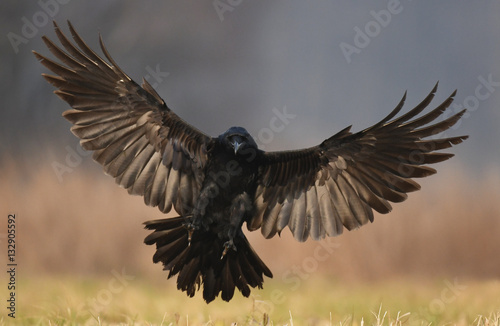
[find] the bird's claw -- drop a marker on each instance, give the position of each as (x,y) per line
(191,227)
(228,245)
(190,236)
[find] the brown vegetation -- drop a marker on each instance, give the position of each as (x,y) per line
(88,225)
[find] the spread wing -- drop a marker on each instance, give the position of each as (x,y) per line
(320,190)
(139,141)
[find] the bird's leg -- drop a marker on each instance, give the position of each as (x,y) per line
(193,223)
(241,204)
(190,227)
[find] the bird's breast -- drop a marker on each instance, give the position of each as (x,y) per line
(230,175)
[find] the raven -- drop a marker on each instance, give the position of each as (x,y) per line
(216,184)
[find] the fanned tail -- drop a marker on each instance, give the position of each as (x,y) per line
(200,263)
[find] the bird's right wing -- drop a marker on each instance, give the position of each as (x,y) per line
(320,190)
(138,140)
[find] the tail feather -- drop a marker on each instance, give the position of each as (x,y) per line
(189,279)
(241,281)
(227,282)
(200,263)
(248,271)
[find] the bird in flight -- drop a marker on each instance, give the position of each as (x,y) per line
(216,184)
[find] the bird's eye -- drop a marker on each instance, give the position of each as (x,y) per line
(238,138)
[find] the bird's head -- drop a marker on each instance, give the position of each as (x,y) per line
(237,139)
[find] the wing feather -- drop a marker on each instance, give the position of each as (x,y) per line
(337,184)
(329,216)
(299,222)
(269,228)
(284,214)
(139,141)
(313,215)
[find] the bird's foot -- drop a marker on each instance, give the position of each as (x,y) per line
(191,227)
(227,246)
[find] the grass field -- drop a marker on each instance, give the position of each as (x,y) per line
(135,301)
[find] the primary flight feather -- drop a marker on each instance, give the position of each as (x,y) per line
(216,184)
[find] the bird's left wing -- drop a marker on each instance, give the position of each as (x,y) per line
(320,190)
(139,141)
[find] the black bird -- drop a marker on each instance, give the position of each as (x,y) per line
(217,184)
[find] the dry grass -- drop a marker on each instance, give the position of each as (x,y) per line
(86,224)
(73,301)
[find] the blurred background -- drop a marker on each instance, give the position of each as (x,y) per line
(221,63)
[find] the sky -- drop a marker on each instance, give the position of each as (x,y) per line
(315,67)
